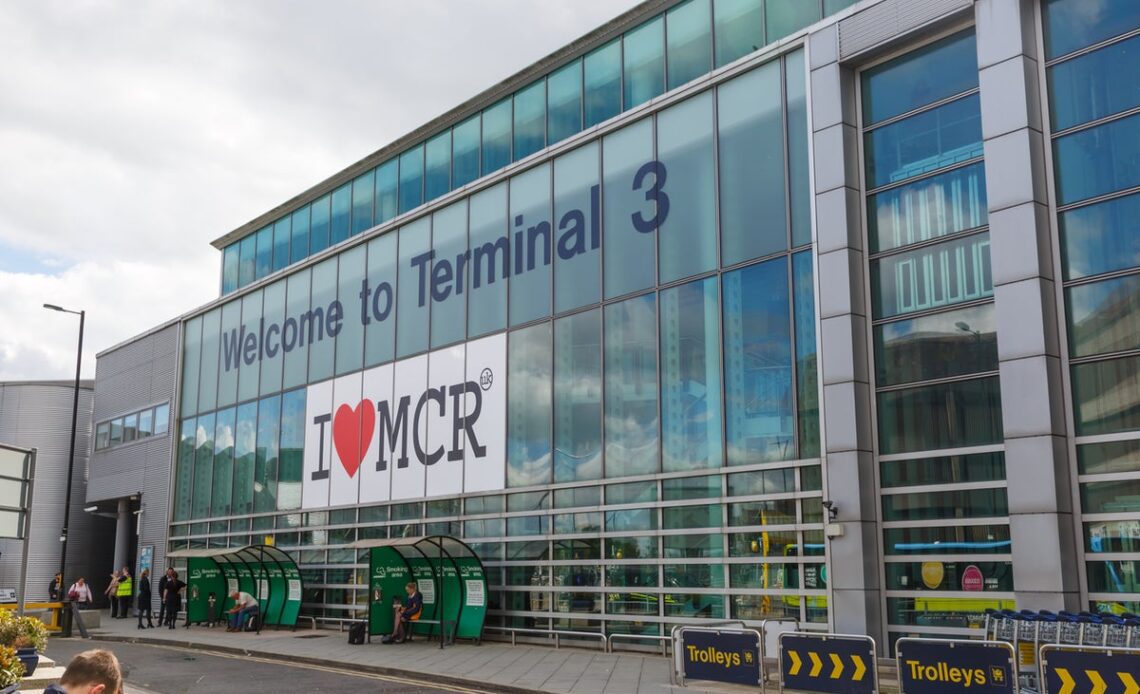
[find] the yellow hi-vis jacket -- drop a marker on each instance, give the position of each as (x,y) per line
(125,587)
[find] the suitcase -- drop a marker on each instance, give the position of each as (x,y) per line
(356,634)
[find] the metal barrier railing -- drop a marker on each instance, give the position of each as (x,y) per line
(556,633)
(53,609)
(666,641)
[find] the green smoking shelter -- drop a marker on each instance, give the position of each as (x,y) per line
(263,571)
(445,570)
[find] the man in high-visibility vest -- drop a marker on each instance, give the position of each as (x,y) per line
(125,591)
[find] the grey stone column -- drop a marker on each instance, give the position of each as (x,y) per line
(1021,252)
(851,480)
(122,533)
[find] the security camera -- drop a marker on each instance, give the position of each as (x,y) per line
(832,509)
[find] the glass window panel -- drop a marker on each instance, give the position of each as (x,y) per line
(530,119)
(528,501)
(281,243)
(223,476)
(263,259)
(411,178)
(927,209)
(957,469)
(785,17)
(292,449)
(117,431)
(529,379)
(465,144)
(1104,316)
(1090,86)
(758,364)
(437,166)
(230,260)
(631,493)
(484,504)
(102,436)
(1118,496)
(951,612)
(577,262)
(640,519)
(954,343)
(203,466)
(752,190)
(692,488)
(603,83)
(945,504)
(530,218)
(701,516)
(689,50)
(191,361)
(563,102)
(698,605)
(632,427)
(947,415)
(644,63)
(448,276)
(299,225)
(1097,161)
(578,397)
(1120,576)
(363,191)
(569,523)
(577,496)
(949,539)
(245,452)
(130,427)
(694,576)
(312,328)
(387,201)
(231,356)
(211,344)
(764,513)
(900,576)
(693,546)
(380,294)
(691,377)
(930,74)
(296,353)
(490,267)
(687,235)
(1106,396)
(1073,24)
(1109,457)
(273,310)
(925,142)
(250,369)
(807,363)
(340,227)
(798,165)
(412,296)
(350,337)
(1100,238)
(830,7)
(247,260)
(1111,536)
(319,222)
(184,469)
(633,186)
(941,275)
(739,28)
(497,136)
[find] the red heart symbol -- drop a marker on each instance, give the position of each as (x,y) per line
(352,433)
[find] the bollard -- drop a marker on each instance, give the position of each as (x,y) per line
(65,619)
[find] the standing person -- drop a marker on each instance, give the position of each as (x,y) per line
(162,595)
(80,593)
(126,590)
(112,594)
(173,598)
(144,599)
(55,588)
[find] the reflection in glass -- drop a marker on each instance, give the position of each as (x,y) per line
(350,339)
(203,466)
(497,136)
(1117,496)
(292,449)
(321,345)
(807,366)
(624,153)
(928,141)
(947,415)
(437,166)
(223,476)
(273,310)
(689,50)
(945,344)
(945,504)
(758,364)
(529,377)
(411,178)
(941,275)
(687,238)
(1101,237)
(263,256)
(245,450)
(1109,457)
(603,83)
(387,184)
(380,331)
(955,469)
(184,469)
(530,217)
(691,410)
(299,226)
(577,263)
(319,221)
(739,28)
(1073,24)
(230,260)
(465,146)
(448,303)
(340,225)
(948,539)
(530,119)
(280,244)
(490,262)
(247,258)
(1090,86)
(644,63)
(248,373)
(363,190)
(930,74)
(785,17)
(932,207)
(1100,160)
(1106,396)
(208,378)
(232,358)
(412,296)
(564,102)
(795,80)
(632,429)
(1104,316)
(578,397)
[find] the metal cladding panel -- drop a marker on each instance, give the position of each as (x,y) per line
(889,19)
(38,415)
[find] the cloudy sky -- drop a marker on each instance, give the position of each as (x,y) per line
(134,133)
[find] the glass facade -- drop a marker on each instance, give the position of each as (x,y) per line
(635,393)
(1094,131)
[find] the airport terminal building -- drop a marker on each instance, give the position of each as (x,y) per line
(730,309)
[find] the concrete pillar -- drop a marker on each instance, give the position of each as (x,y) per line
(849,465)
(122,532)
(1021,251)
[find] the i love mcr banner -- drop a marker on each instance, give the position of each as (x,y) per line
(430,425)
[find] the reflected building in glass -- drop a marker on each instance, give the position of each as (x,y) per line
(627,320)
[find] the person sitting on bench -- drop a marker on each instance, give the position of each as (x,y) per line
(244,606)
(410,611)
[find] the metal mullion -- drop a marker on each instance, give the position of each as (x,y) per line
(941,452)
(921,109)
(948,522)
(1093,279)
(901,250)
(920,557)
(1097,122)
(949,486)
(1109,477)
(937,381)
(1108,438)
(1088,49)
(936,310)
(788,265)
(1108,356)
(926,175)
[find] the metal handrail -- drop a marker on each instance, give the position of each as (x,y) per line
(665,641)
(556,633)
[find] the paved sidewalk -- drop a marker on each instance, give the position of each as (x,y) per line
(493,665)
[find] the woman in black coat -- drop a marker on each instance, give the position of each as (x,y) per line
(173,599)
(143,604)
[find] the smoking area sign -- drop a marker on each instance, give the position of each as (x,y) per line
(943,666)
(1090,670)
(827,663)
(721,655)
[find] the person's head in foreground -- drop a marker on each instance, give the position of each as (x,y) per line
(93,672)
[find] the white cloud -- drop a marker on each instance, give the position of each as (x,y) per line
(135,133)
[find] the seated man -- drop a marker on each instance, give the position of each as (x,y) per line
(244,606)
(408,612)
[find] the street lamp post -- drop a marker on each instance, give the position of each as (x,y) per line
(71,456)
